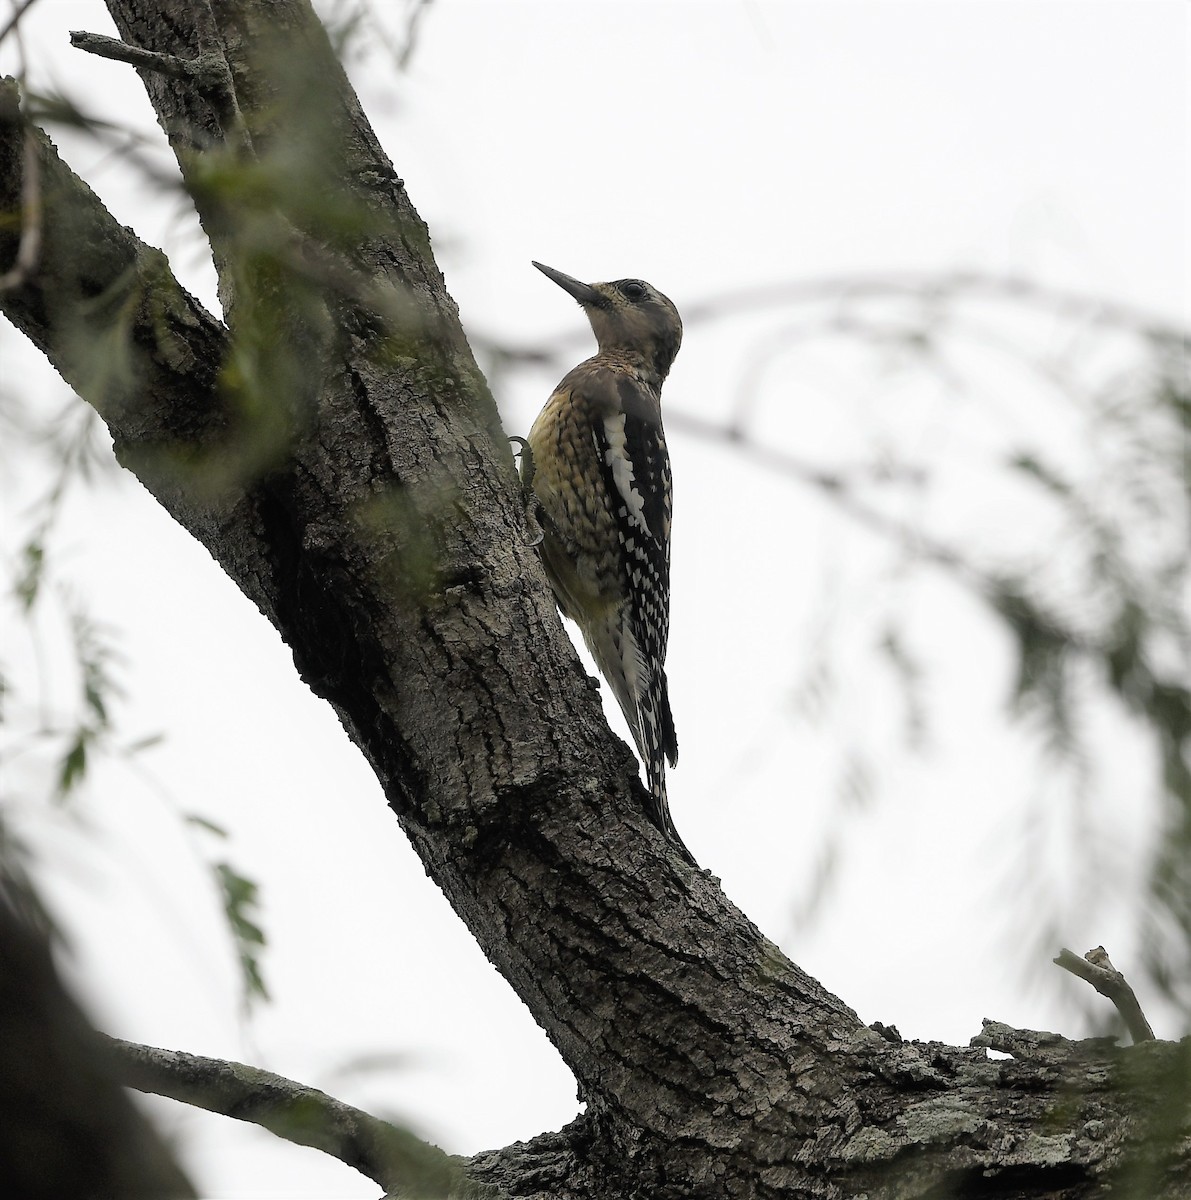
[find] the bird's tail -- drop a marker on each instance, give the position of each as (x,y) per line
(645,703)
(657,742)
(659,814)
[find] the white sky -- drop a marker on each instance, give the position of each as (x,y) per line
(704,147)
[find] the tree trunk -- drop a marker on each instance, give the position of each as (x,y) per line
(335,448)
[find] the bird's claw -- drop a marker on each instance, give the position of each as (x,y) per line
(528,495)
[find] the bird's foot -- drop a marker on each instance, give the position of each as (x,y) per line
(533,526)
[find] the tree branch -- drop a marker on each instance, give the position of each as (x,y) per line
(392,1157)
(1096,968)
(206,70)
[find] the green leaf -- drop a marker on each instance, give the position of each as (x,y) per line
(240,896)
(74,763)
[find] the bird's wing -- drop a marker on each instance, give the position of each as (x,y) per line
(631,448)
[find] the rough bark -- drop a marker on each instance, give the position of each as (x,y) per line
(372,513)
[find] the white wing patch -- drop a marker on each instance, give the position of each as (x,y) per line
(616,456)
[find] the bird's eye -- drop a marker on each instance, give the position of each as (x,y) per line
(633,289)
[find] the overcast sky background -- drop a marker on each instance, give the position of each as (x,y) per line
(706,147)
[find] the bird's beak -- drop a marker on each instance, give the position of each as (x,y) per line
(583,292)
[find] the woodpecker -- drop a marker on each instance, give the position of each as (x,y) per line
(599,469)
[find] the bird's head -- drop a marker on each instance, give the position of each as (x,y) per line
(627,314)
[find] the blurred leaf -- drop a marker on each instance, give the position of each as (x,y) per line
(32,569)
(240,898)
(909,672)
(857,783)
(144,743)
(74,764)
(204,823)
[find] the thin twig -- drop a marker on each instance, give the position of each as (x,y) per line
(1096,967)
(411,33)
(18,12)
(834,483)
(940,287)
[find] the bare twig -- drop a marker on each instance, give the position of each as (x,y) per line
(938,288)
(1096,967)
(366,21)
(207,70)
(411,33)
(837,484)
(19,10)
(390,1156)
